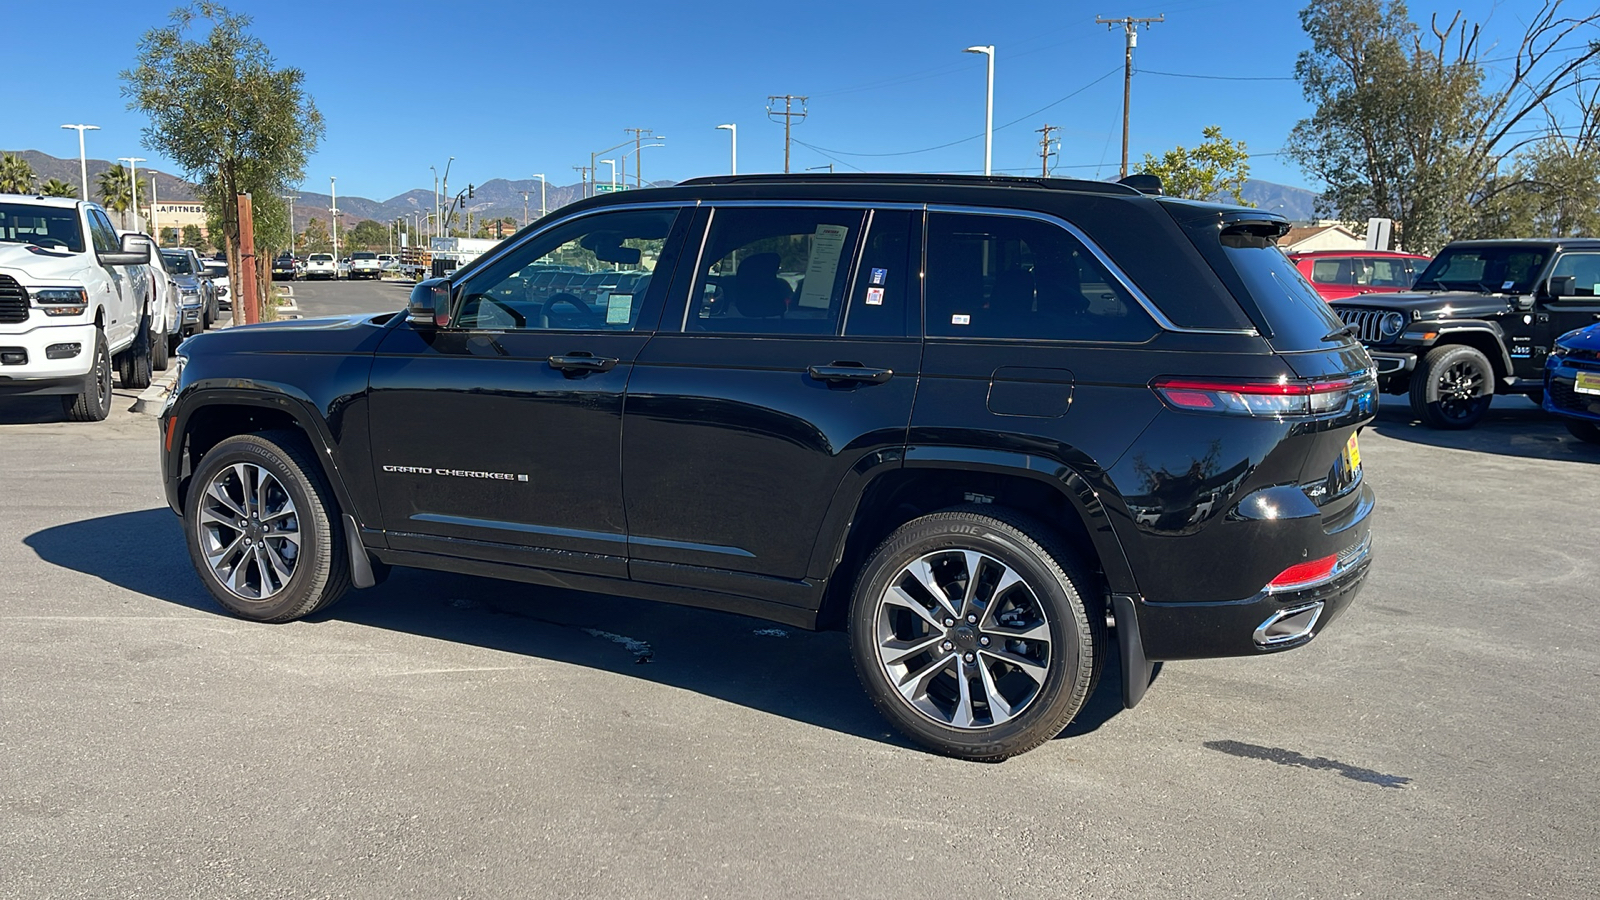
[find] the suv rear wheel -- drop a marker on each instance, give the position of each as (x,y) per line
(262,528)
(972,633)
(1453,387)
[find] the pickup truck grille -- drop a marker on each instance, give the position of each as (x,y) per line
(13,301)
(1365,322)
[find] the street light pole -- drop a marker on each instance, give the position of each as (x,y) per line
(133,184)
(289,199)
(540,176)
(155,220)
(613,164)
(733,146)
(988,109)
(333,189)
(83,162)
(438,214)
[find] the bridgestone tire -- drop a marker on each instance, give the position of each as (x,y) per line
(133,364)
(1430,399)
(1584,431)
(1065,588)
(322,571)
(93,403)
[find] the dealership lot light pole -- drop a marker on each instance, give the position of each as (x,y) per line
(733,146)
(83,161)
(133,183)
(988,109)
(540,176)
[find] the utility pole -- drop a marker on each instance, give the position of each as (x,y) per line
(333,212)
(525,208)
(639,134)
(1130,28)
(1044,149)
(789,118)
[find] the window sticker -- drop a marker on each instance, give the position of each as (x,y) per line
(960,319)
(874,296)
(827,245)
(619,309)
(1508,286)
(879,276)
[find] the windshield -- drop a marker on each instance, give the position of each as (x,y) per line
(176,263)
(54,227)
(1490,270)
(217,268)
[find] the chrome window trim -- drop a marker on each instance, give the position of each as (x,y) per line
(1149,306)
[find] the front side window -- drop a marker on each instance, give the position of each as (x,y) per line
(774,271)
(1021,278)
(592,274)
(1389,272)
(51,227)
(1585,271)
(105,237)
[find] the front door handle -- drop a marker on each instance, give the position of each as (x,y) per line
(847,374)
(582,362)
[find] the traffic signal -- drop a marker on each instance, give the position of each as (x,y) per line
(469,192)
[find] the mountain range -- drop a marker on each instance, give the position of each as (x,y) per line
(500,197)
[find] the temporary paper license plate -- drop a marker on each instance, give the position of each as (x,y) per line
(1352,453)
(1588,383)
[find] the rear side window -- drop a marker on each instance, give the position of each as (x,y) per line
(1025,279)
(885,279)
(1297,316)
(774,271)
(1331,271)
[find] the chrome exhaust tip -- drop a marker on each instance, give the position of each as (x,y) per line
(1288,625)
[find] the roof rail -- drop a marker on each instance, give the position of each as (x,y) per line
(1060,184)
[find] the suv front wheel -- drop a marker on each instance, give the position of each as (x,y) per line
(263,528)
(1453,387)
(976,633)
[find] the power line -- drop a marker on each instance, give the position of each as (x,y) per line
(1218,77)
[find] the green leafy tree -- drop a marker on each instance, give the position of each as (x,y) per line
(315,239)
(236,123)
(1419,128)
(169,237)
(193,237)
(367,235)
(1215,169)
(16,176)
(55,187)
(114,188)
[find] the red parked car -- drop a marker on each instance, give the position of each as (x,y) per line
(1337,274)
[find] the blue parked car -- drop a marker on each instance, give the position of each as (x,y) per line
(1572,382)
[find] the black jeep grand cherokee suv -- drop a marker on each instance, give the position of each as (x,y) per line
(977,421)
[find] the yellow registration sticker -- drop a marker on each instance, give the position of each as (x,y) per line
(1352,453)
(1588,383)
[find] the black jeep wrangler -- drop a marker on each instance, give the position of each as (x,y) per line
(974,420)
(1480,322)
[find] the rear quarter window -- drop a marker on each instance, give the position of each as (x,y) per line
(1295,314)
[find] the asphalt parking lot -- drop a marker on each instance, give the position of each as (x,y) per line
(449,736)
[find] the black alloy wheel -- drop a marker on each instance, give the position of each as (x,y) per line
(93,402)
(1453,387)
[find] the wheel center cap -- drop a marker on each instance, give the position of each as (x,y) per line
(965,637)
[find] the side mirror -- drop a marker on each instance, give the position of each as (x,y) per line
(135,251)
(1563,286)
(429,307)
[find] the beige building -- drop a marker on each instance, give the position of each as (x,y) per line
(176,214)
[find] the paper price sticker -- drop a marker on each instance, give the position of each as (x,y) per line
(619,309)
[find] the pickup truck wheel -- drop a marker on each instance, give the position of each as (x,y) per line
(158,352)
(1584,431)
(972,634)
(1452,387)
(262,528)
(133,364)
(93,403)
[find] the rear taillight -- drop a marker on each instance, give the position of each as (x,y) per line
(1304,574)
(1254,397)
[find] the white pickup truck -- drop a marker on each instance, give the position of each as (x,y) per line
(73,303)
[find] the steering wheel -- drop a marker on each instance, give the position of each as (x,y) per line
(39,241)
(587,316)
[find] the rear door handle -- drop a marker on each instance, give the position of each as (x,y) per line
(839,373)
(583,362)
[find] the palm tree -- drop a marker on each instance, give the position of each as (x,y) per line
(16,176)
(55,187)
(116,192)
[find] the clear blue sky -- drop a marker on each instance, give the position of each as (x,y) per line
(522,87)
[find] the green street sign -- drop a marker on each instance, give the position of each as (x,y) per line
(608,188)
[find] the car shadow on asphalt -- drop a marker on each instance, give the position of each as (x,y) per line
(783,671)
(1514,426)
